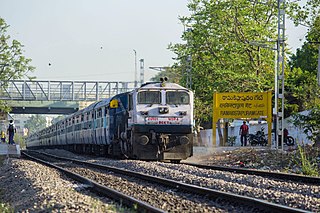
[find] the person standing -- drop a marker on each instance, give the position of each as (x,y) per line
(3,136)
(11,130)
(243,132)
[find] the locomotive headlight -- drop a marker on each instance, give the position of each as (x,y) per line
(144,112)
(143,140)
(184,140)
(163,110)
(183,113)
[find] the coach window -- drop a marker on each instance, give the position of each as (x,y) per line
(177,97)
(149,97)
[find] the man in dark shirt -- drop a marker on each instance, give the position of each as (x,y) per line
(11,130)
(244,130)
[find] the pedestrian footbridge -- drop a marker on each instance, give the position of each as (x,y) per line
(57,97)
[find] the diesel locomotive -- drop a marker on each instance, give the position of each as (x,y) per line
(152,122)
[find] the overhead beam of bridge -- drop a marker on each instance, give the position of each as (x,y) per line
(44,107)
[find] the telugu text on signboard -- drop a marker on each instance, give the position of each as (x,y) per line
(242,105)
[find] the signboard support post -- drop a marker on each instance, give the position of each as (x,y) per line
(214,122)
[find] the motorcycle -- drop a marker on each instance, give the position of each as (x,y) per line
(286,139)
(258,139)
(289,140)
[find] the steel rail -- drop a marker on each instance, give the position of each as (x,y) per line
(279,175)
(256,203)
(106,191)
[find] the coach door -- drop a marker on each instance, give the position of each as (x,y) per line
(106,125)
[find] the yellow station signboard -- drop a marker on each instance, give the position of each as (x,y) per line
(247,105)
(242,105)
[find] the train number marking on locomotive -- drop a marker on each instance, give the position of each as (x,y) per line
(159,120)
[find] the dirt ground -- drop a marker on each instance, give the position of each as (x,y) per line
(292,161)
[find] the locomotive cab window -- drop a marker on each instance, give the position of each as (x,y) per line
(149,97)
(177,97)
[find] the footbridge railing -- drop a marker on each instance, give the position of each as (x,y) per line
(39,90)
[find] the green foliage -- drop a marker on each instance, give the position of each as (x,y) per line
(310,123)
(231,140)
(304,15)
(13,65)
(223,56)
(302,91)
(230,43)
(35,123)
(308,165)
(301,86)
(170,73)
(5,208)
(19,139)
(305,58)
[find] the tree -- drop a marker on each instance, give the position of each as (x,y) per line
(220,43)
(13,65)
(35,123)
(224,44)
(303,83)
(310,123)
(170,73)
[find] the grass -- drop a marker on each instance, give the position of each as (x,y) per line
(303,160)
(308,160)
(4,207)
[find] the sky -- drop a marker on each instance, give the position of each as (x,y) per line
(101,40)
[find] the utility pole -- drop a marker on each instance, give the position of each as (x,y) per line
(189,66)
(189,69)
(135,69)
(141,71)
(279,77)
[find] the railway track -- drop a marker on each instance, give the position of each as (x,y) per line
(194,193)
(98,188)
(277,175)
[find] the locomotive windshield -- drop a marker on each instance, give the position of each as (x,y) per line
(177,97)
(149,97)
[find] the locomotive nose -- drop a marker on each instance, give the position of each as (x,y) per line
(184,140)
